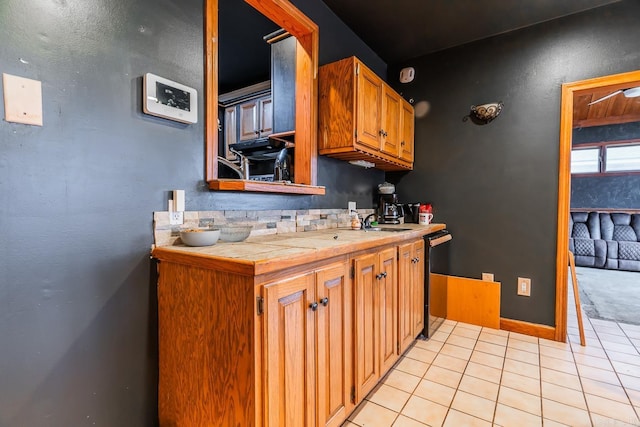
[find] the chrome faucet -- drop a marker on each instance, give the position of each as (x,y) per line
(242,170)
(366,222)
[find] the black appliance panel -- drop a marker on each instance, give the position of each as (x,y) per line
(437,261)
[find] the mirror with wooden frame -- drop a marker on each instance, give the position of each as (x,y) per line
(287,16)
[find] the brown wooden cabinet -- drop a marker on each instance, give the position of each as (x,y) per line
(391,118)
(209,345)
(410,292)
(307,348)
(360,117)
(299,346)
(334,345)
(368,109)
(255,119)
(289,354)
(407,142)
(375,317)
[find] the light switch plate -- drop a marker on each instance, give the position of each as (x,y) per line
(22,100)
(488,277)
(178,200)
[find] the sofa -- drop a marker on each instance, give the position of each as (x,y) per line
(608,240)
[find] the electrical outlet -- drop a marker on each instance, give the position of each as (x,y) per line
(176,218)
(352,206)
(487,277)
(524,286)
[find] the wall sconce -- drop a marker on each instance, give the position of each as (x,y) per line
(485,113)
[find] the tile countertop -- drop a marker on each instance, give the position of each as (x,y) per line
(267,254)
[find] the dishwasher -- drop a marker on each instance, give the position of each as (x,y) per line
(435,294)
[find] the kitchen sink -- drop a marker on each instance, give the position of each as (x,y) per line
(387,229)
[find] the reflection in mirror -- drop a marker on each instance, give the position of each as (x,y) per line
(302,54)
(245,103)
(243,55)
(257,96)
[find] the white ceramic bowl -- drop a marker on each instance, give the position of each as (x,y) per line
(235,233)
(200,236)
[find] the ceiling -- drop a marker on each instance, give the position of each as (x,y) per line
(615,110)
(399,30)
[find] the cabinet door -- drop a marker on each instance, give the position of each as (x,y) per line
(410,292)
(248,119)
(407,136)
(289,363)
(369,108)
(417,281)
(405,295)
(230,131)
(391,111)
(366,328)
(388,309)
(334,345)
(265,117)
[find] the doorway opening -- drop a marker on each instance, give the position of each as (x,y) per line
(571,92)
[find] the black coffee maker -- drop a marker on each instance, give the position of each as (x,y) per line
(389,211)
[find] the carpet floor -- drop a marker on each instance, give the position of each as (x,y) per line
(609,294)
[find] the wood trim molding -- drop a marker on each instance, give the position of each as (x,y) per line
(628,118)
(211,88)
(526,328)
(265,187)
(564,186)
(286,15)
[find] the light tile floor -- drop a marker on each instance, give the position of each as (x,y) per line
(466,375)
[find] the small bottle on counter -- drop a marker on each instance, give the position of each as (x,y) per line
(355,221)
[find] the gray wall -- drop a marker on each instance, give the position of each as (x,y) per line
(78,327)
(606,192)
(496,185)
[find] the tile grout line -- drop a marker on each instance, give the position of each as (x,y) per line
(575,362)
(571,347)
(614,371)
(463,372)
(624,388)
(504,359)
(541,389)
(624,331)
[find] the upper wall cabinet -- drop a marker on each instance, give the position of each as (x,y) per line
(361,118)
(305,31)
(407,129)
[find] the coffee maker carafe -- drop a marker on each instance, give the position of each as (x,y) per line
(388,209)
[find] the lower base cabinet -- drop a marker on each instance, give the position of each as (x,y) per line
(376,317)
(307,347)
(289,358)
(410,292)
(300,349)
(334,344)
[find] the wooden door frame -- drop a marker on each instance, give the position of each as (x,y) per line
(564,185)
